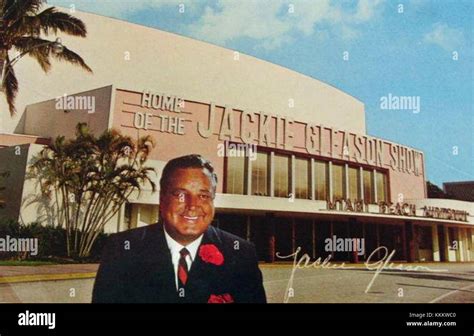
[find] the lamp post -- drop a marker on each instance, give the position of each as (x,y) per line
(56,46)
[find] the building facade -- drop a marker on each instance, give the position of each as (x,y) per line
(463,191)
(296,168)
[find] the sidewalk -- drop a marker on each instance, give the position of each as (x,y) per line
(14,274)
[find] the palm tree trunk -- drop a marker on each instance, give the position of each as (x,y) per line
(3,58)
(3,51)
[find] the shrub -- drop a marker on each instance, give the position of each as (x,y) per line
(51,242)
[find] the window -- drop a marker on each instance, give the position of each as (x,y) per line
(302,169)
(354,190)
(470,238)
(321,180)
(236,174)
(424,237)
(127,215)
(281,175)
(338,181)
(453,238)
(382,194)
(368,186)
(260,174)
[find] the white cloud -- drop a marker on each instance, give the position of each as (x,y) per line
(308,13)
(447,38)
(273,23)
(366,10)
(253,19)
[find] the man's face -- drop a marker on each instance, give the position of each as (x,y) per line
(187,204)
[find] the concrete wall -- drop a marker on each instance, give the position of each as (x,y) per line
(14,161)
(463,237)
(24,201)
(7,140)
(47,120)
(127,103)
(470,235)
(143,215)
(446,203)
(34,206)
(148,214)
(436,243)
(22,192)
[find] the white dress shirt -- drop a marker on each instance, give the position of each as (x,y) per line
(176,247)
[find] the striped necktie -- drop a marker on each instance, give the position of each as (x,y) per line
(183,268)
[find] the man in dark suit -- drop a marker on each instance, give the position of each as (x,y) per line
(181,259)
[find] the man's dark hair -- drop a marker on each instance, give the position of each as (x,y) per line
(184,162)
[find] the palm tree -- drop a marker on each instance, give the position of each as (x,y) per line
(88,179)
(21,24)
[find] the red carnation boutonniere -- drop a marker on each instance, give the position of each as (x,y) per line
(224,298)
(210,253)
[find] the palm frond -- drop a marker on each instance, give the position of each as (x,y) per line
(15,9)
(82,130)
(10,85)
(51,20)
(22,26)
(37,48)
(71,57)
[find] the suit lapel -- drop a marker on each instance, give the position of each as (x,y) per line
(157,278)
(157,267)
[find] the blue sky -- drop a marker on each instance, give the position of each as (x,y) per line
(403,51)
